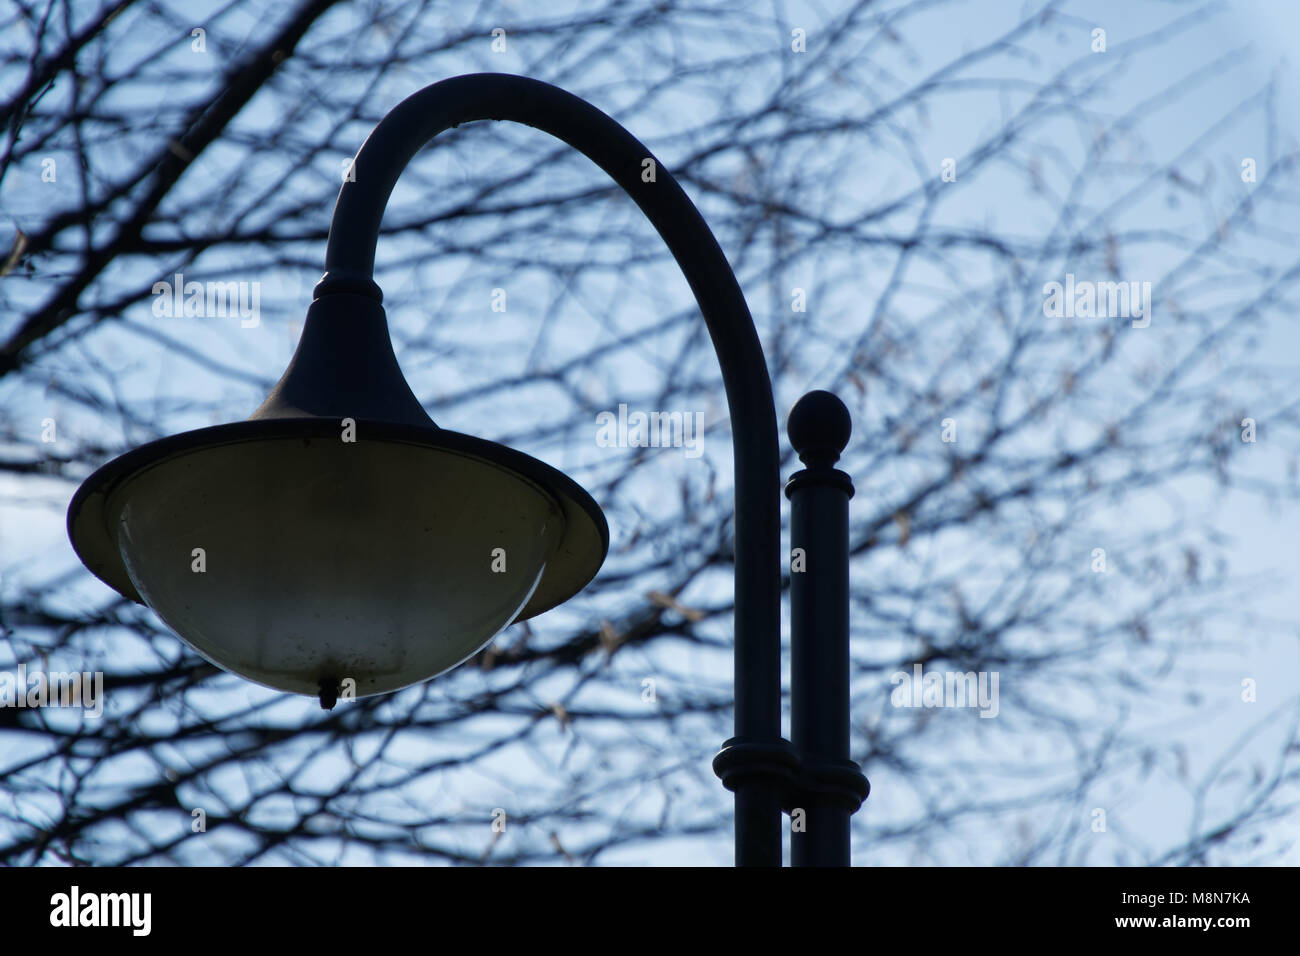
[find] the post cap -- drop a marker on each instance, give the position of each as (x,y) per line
(819,427)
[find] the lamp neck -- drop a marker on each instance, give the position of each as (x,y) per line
(349,265)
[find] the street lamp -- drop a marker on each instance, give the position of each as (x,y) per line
(338,535)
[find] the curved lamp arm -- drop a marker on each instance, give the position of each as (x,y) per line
(756,750)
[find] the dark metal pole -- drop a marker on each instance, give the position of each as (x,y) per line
(831,787)
(756,762)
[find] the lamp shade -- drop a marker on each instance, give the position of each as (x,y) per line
(338,539)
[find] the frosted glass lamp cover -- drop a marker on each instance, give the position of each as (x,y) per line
(315,552)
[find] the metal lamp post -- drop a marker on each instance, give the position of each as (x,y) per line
(286,552)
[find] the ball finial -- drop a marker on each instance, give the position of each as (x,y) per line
(819,427)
